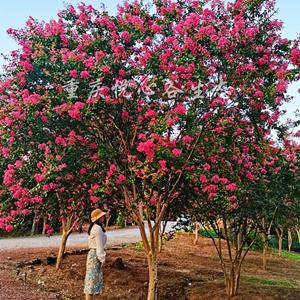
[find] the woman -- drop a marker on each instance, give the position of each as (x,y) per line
(93,283)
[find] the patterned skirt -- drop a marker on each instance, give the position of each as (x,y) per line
(93,283)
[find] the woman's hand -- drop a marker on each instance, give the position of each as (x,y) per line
(103,264)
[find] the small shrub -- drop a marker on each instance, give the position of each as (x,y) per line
(209,233)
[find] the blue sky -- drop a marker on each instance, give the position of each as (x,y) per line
(14,13)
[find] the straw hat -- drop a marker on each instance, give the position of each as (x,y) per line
(97,214)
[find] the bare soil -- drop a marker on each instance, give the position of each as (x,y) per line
(186,271)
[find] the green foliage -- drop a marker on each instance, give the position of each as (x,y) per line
(120,221)
(139,246)
(209,233)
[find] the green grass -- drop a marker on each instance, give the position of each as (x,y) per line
(269,282)
(287,254)
(291,255)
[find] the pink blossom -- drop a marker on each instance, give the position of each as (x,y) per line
(73,73)
(295,56)
(245,149)
(120,179)
(112,169)
(212,188)
(187,139)
(8,121)
(125,35)
(251,32)
(99,55)
(231,198)
(39,177)
(238,131)
(5,152)
(250,176)
(218,130)
(206,116)
(215,179)
(94,199)
(277,170)
(162,166)
(105,69)
(156,28)
(203,178)
(179,109)
(44,119)
(176,152)
(60,141)
(148,148)
(75,114)
(9,228)
(150,114)
(39,164)
(259,94)
(222,42)
(231,187)
(122,73)
(206,167)
(281,87)
(84,74)
(8,177)
(234,205)
(170,122)
(62,166)
(37,199)
(78,105)
(18,164)
(125,115)
(89,63)
(83,171)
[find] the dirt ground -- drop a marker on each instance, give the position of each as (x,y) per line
(185,272)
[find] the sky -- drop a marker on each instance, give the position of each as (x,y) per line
(14,13)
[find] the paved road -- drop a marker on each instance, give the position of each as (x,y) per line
(115,237)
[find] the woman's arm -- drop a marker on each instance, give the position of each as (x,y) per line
(101,254)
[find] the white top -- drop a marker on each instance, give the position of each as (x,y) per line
(98,240)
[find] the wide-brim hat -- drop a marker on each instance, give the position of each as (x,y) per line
(97,214)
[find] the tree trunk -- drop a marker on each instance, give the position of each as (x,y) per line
(290,240)
(298,234)
(196,232)
(150,242)
(34,224)
(279,232)
(44,226)
(61,251)
(232,281)
(68,226)
(161,235)
(107,221)
(152,268)
(265,250)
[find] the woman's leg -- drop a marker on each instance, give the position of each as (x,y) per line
(88,297)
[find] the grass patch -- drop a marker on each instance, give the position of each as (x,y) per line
(138,246)
(269,282)
(291,255)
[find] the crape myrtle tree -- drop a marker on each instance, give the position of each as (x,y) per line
(47,168)
(277,186)
(144,88)
(226,188)
(287,208)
